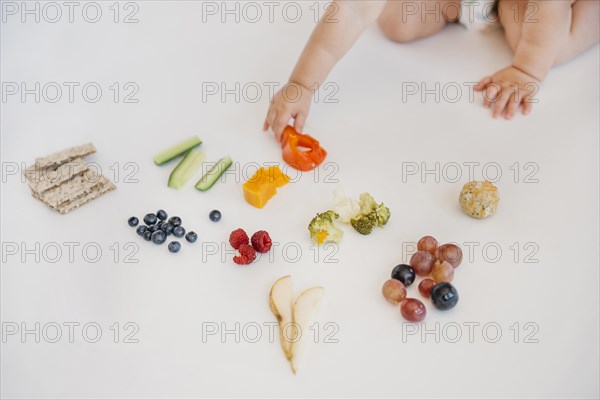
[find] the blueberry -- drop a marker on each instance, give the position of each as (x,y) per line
(133,221)
(147,235)
(179,231)
(167,228)
(215,215)
(444,296)
(174,246)
(153,228)
(141,230)
(191,236)
(175,221)
(404,273)
(150,219)
(162,215)
(159,237)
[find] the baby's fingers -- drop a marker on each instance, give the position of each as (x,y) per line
(513,105)
(500,104)
(268,120)
(527,104)
(299,122)
(279,123)
(491,94)
(483,83)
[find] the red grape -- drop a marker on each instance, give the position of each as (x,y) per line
(422,262)
(394,291)
(413,310)
(428,244)
(443,271)
(425,287)
(451,253)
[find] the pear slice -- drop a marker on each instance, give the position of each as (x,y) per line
(280,300)
(304,313)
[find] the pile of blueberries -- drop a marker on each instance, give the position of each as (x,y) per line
(159,226)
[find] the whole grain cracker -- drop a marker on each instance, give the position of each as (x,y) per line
(105,186)
(41,180)
(55,160)
(76,187)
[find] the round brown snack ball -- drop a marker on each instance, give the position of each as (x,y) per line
(479,199)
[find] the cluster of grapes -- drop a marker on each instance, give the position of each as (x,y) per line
(430,259)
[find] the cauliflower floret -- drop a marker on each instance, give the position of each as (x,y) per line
(346,207)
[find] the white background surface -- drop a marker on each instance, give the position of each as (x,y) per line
(369,133)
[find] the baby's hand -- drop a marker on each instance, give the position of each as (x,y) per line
(508,89)
(292,101)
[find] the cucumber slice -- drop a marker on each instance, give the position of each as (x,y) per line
(209,179)
(185,169)
(177,150)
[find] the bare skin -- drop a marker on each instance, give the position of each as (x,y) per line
(556,32)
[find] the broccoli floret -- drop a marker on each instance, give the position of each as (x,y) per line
(364,223)
(367,203)
(322,228)
(383,214)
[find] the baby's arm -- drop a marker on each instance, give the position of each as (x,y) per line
(332,38)
(542,36)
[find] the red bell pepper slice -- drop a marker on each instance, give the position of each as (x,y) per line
(300,151)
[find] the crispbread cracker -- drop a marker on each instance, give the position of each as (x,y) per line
(104,187)
(64,181)
(76,187)
(55,160)
(41,180)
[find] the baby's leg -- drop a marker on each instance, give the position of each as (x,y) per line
(584,28)
(403,21)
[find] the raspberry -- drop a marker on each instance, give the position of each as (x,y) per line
(247,255)
(238,238)
(261,241)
